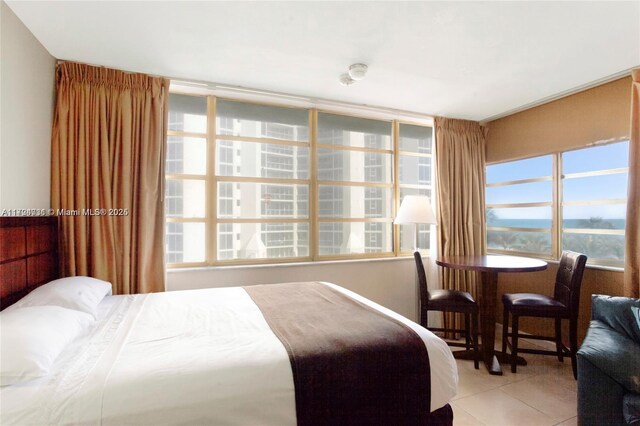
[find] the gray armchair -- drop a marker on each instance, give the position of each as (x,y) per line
(609,364)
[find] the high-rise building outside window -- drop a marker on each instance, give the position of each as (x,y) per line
(256,183)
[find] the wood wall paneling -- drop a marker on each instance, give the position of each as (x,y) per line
(40,239)
(12,243)
(41,269)
(13,277)
(28,255)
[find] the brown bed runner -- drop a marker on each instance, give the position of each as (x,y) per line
(352,365)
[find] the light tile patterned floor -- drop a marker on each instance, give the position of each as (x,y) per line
(541,393)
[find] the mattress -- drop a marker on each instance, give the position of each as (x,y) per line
(185,357)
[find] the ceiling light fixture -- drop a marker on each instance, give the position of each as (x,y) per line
(358,71)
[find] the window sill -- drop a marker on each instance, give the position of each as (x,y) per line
(407,256)
(401,257)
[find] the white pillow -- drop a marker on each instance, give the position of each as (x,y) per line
(78,293)
(31,339)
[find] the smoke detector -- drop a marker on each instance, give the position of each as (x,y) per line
(355,73)
(346,80)
(358,71)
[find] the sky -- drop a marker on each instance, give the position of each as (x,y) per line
(574,189)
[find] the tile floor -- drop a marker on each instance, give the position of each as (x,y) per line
(541,393)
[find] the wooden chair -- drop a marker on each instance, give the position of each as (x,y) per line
(449,301)
(563,305)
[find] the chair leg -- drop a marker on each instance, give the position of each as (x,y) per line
(467,331)
(424,316)
(505,329)
(474,327)
(559,339)
(514,342)
(573,342)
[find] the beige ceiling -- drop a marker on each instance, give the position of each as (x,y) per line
(470,60)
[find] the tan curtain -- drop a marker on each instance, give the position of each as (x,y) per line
(108,144)
(632,229)
(460,159)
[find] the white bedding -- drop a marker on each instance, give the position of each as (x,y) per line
(187,357)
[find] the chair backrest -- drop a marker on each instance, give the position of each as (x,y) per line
(569,280)
(424,290)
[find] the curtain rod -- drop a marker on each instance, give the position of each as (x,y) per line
(242,90)
(234,89)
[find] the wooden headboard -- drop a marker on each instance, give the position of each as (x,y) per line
(28,255)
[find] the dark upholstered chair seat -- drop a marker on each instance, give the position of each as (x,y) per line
(461,301)
(532,303)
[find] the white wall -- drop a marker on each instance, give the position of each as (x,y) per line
(389,282)
(27,91)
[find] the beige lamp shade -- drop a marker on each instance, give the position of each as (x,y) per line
(415,209)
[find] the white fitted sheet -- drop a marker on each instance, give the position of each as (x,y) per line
(185,357)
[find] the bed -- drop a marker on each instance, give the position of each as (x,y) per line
(214,356)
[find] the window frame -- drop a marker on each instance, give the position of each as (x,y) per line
(557,203)
(211,220)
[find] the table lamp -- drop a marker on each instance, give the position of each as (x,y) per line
(415,209)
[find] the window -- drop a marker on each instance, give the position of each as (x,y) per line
(186,170)
(355,185)
(594,202)
(262,176)
(574,200)
(259,183)
(519,199)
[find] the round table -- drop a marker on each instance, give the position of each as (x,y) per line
(489,266)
